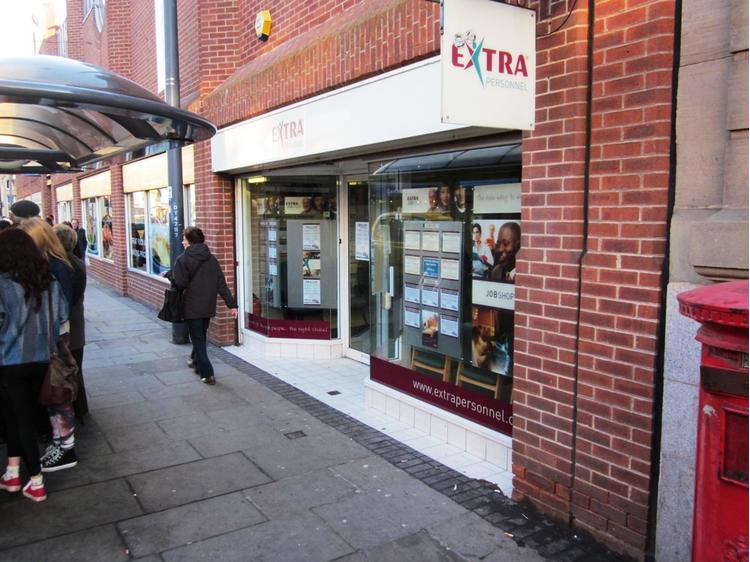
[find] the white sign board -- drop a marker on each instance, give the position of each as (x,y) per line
(488,60)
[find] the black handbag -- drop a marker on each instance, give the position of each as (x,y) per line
(173,309)
(60,384)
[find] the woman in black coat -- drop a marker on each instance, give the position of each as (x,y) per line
(198,274)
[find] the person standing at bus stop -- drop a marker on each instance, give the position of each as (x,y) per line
(197,272)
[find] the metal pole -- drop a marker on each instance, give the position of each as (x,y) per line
(174,156)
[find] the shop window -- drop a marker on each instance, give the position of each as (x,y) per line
(97,220)
(290,268)
(148,216)
(64,211)
(446,231)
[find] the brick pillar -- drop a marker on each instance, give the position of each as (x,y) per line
(119,230)
(76,212)
(584,395)
(119,44)
(215,216)
(74,25)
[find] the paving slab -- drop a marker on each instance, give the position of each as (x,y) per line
(65,512)
(189,524)
(185,483)
(299,494)
(304,538)
(92,545)
(417,547)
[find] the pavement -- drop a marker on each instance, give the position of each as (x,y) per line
(171,469)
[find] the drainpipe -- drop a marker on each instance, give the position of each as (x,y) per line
(174,155)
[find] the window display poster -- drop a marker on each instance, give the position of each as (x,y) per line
(449,299)
(430,297)
(273,269)
(494,245)
(452,242)
(449,326)
(272,235)
(362,241)
(430,328)
(492,339)
(311,265)
(411,317)
(411,294)
(449,269)
(430,241)
(431,267)
(295,205)
(311,291)
(412,240)
(412,265)
(419,200)
(498,198)
(311,237)
(272,253)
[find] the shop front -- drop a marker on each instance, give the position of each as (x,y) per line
(385,236)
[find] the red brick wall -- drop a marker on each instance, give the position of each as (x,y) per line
(370,37)
(143,44)
(595,472)
(187,30)
(74,24)
(120,55)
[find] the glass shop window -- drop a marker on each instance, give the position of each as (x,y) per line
(446,230)
(148,216)
(291,256)
(97,220)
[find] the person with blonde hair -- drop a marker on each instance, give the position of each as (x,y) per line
(60,453)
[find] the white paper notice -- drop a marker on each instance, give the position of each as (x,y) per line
(411,318)
(449,299)
(311,291)
(430,297)
(412,240)
(412,265)
(272,252)
(411,294)
(452,242)
(273,269)
(431,241)
(449,326)
(449,269)
(272,236)
(362,241)
(311,237)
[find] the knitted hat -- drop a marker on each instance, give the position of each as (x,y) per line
(25,209)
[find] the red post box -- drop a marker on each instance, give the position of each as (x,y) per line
(720,518)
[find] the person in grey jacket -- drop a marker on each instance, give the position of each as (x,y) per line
(198,273)
(33,316)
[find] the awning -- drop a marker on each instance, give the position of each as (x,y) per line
(60,115)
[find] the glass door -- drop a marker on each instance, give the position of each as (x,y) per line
(357,270)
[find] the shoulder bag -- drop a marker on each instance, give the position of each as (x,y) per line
(60,384)
(173,309)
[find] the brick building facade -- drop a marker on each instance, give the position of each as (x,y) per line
(597,195)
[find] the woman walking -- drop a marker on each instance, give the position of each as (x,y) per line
(60,454)
(199,274)
(31,304)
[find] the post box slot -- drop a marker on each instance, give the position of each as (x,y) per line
(719,381)
(735,459)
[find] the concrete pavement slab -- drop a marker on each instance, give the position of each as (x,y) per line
(417,547)
(300,493)
(186,427)
(65,512)
(179,485)
(189,524)
(304,538)
(92,545)
(223,442)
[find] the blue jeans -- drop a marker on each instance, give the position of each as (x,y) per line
(197,328)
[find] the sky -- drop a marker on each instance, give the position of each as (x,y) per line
(16,27)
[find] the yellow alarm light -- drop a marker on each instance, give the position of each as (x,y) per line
(263,25)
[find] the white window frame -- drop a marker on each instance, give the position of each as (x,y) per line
(99,253)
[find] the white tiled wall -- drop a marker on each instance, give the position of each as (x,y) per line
(492,447)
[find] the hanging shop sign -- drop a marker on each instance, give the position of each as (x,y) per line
(488,64)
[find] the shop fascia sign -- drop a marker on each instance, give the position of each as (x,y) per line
(488,64)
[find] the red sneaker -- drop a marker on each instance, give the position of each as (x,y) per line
(35,493)
(10,484)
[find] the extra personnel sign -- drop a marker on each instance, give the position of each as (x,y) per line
(488,60)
